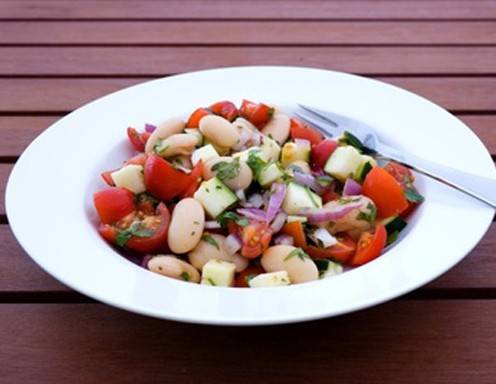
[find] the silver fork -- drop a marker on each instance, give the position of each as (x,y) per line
(334,125)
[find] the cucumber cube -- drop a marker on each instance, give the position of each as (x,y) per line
(215,197)
(218,273)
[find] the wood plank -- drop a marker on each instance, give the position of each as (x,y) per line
(18,131)
(21,95)
(242,32)
(258,9)
(402,342)
(5,170)
(157,61)
(20,274)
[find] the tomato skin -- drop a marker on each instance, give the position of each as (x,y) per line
(194,119)
(300,130)
(106,176)
(402,174)
(195,177)
(157,242)
(256,237)
(257,114)
(385,192)
(369,246)
(240,278)
(165,182)
(112,204)
(340,252)
(226,109)
(137,160)
(138,140)
(330,195)
(322,151)
(295,230)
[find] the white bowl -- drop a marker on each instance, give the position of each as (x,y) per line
(49,196)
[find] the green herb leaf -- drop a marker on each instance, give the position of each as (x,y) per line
(350,139)
(368,216)
(211,281)
(224,217)
(392,237)
(412,195)
(255,162)
(286,179)
(209,239)
(185,276)
(145,198)
(325,180)
(123,236)
(347,200)
(227,170)
(298,252)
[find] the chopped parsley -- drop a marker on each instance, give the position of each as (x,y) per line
(347,200)
(412,195)
(144,198)
(325,180)
(298,252)
(350,139)
(224,217)
(368,216)
(392,237)
(158,149)
(209,239)
(123,236)
(211,281)
(255,163)
(227,170)
(185,276)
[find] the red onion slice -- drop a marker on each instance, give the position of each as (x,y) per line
(322,215)
(252,213)
(145,260)
(351,188)
(284,240)
(278,222)
(310,181)
(278,191)
(150,127)
(232,244)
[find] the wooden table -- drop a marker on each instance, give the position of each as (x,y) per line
(57,55)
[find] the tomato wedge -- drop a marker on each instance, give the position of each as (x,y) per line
(241,278)
(139,232)
(196,178)
(226,109)
(165,182)
(112,204)
(321,152)
(257,114)
(385,191)
(340,252)
(137,139)
(255,236)
(370,246)
(194,119)
(300,130)
(295,230)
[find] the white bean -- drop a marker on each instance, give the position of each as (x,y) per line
(170,266)
(163,131)
(242,180)
(186,226)
(178,144)
(219,131)
(297,264)
(278,128)
(213,249)
(358,219)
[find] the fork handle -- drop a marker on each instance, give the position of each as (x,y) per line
(482,188)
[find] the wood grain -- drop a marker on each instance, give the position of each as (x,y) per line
(253,32)
(20,274)
(157,61)
(22,95)
(443,342)
(248,9)
(18,131)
